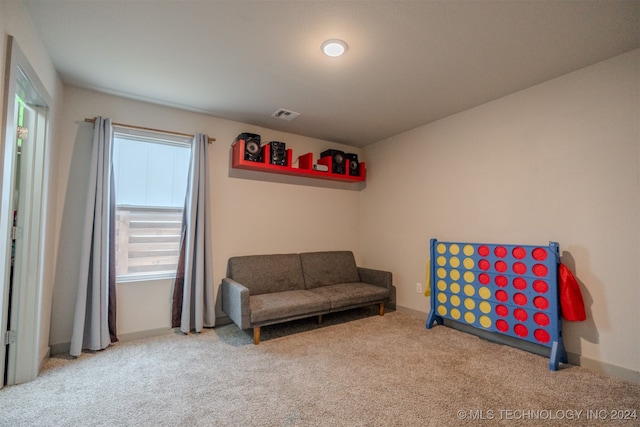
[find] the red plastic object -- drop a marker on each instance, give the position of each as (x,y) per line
(501,266)
(519,283)
(483,250)
(500,251)
(483,264)
(540,286)
(521,330)
(519,268)
(518,252)
(502,326)
(501,281)
(540,270)
(541,319)
(484,278)
(502,295)
(539,254)
(502,310)
(520,298)
(541,303)
(542,335)
(520,314)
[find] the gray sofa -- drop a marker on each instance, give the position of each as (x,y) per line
(262,290)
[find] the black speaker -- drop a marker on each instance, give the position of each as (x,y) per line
(278,153)
(337,160)
(252,148)
(354,165)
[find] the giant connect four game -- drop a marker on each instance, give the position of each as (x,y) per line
(506,289)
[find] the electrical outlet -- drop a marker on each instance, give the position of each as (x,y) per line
(419,287)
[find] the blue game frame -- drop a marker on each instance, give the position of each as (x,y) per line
(507,289)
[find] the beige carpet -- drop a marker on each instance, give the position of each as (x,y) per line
(357,369)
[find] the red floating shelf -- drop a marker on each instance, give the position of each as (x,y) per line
(305,165)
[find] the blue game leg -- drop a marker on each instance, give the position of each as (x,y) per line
(558,354)
(433,318)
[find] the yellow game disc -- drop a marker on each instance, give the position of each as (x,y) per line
(441,248)
(469,290)
(469,303)
(442,285)
(442,310)
(454,274)
(455,313)
(469,277)
(454,287)
(442,298)
(441,261)
(442,273)
(454,262)
(468,250)
(484,307)
(454,249)
(485,321)
(468,263)
(469,317)
(484,292)
(455,300)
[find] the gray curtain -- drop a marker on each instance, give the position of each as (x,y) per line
(94,321)
(193,304)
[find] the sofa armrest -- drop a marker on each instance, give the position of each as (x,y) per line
(376,277)
(235,302)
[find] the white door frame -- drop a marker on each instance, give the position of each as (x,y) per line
(23,354)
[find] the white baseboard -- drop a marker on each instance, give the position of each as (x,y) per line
(574,359)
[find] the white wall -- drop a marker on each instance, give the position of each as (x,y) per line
(556,162)
(15,21)
(248,216)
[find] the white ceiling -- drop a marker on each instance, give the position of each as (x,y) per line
(408,63)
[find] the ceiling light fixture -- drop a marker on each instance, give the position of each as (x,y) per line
(334,47)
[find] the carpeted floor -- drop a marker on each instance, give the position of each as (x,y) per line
(357,369)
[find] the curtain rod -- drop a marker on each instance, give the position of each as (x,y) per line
(211,139)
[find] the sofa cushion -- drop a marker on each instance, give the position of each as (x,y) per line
(264,274)
(288,304)
(328,268)
(350,294)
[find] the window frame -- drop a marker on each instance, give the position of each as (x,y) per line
(148,136)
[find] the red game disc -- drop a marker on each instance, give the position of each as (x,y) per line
(521,330)
(484,278)
(502,326)
(520,298)
(500,251)
(540,270)
(519,283)
(502,310)
(502,295)
(520,314)
(519,268)
(539,254)
(501,266)
(541,303)
(483,264)
(540,286)
(501,281)
(541,335)
(483,250)
(541,319)
(518,252)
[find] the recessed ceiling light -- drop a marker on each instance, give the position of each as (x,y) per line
(334,47)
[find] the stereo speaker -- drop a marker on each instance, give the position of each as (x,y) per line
(337,160)
(278,154)
(252,147)
(354,165)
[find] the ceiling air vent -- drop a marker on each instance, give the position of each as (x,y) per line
(283,114)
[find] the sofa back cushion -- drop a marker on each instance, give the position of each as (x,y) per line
(328,268)
(264,274)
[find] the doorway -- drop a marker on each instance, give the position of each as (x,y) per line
(22,218)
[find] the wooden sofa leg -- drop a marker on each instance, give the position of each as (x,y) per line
(256,335)
(319,319)
(381,310)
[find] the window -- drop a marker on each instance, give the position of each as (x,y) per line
(150,172)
